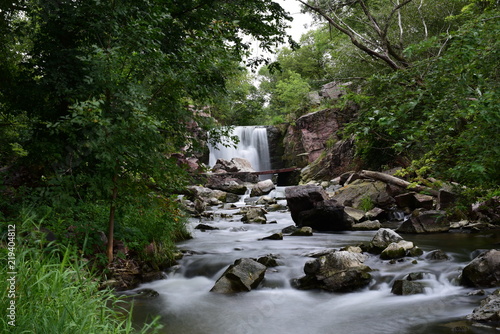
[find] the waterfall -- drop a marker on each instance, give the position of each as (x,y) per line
(253,146)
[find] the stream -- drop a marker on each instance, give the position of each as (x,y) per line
(187,306)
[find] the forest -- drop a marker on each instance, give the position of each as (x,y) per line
(100,99)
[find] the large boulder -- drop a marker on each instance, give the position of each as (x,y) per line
(340,271)
(487,211)
(396,250)
(206,195)
(362,193)
(254,215)
(412,201)
(235,165)
(310,206)
(407,287)
(262,188)
(383,238)
(488,311)
(227,183)
(432,221)
(483,271)
(242,276)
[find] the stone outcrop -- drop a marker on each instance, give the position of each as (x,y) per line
(253,215)
(340,271)
(310,206)
(432,221)
(362,192)
(483,271)
(242,276)
(262,188)
(488,311)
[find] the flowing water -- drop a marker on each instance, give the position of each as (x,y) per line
(187,306)
(253,146)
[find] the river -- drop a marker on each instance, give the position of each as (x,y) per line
(187,306)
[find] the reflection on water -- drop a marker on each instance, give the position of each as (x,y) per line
(186,306)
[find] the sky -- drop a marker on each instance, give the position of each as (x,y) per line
(300,24)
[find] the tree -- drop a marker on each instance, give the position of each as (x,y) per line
(383,29)
(110,83)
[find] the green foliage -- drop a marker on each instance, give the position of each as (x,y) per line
(443,111)
(55,292)
(366,204)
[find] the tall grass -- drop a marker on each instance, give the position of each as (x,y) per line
(56,294)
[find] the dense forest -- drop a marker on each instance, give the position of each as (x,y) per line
(99,99)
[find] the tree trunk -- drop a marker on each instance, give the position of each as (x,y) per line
(111,223)
(397,181)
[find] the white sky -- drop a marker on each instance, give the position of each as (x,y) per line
(300,24)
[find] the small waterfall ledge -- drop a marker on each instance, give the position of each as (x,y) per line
(253,146)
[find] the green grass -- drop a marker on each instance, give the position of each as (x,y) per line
(55,293)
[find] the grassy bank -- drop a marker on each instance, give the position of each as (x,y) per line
(49,289)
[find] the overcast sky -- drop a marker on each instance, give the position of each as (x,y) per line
(300,24)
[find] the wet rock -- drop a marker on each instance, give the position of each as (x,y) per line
(274,236)
(262,188)
(352,249)
(488,311)
(432,221)
(205,227)
(487,211)
(269,260)
(368,225)
(235,165)
(276,207)
(266,200)
(304,231)
(415,276)
(405,287)
(415,251)
(289,229)
(437,255)
(383,238)
(483,271)
(254,215)
(310,206)
(145,294)
(336,272)
(396,250)
(242,276)
(232,197)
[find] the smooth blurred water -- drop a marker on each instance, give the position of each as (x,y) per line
(187,306)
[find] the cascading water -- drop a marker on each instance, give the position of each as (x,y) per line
(252,146)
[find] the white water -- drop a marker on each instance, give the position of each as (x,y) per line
(187,306)
(252,146)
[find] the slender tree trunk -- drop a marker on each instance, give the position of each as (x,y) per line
(111,223)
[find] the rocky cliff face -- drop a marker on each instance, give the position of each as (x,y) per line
(314,141)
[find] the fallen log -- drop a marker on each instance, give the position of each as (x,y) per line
(397,181)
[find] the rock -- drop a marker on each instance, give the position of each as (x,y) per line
(353,249)
(336,272)
(432,221)
(368,225)
(274,236)
(488,211)
(304,231)
(446,199)
(437,255)
(254,215)
(396,250)
(269,260)
(384,237)
(206,194)
(242,276)
(488,311)
(236,165)
(145,294)
(289,229)
(205,227)
(310,206)
(266,200)
(483,271)
(232,197)
(262,188)
(376,214)
(415,276)
(362,192)
(412,201)
(356,214)
(405,287)
(415,251)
